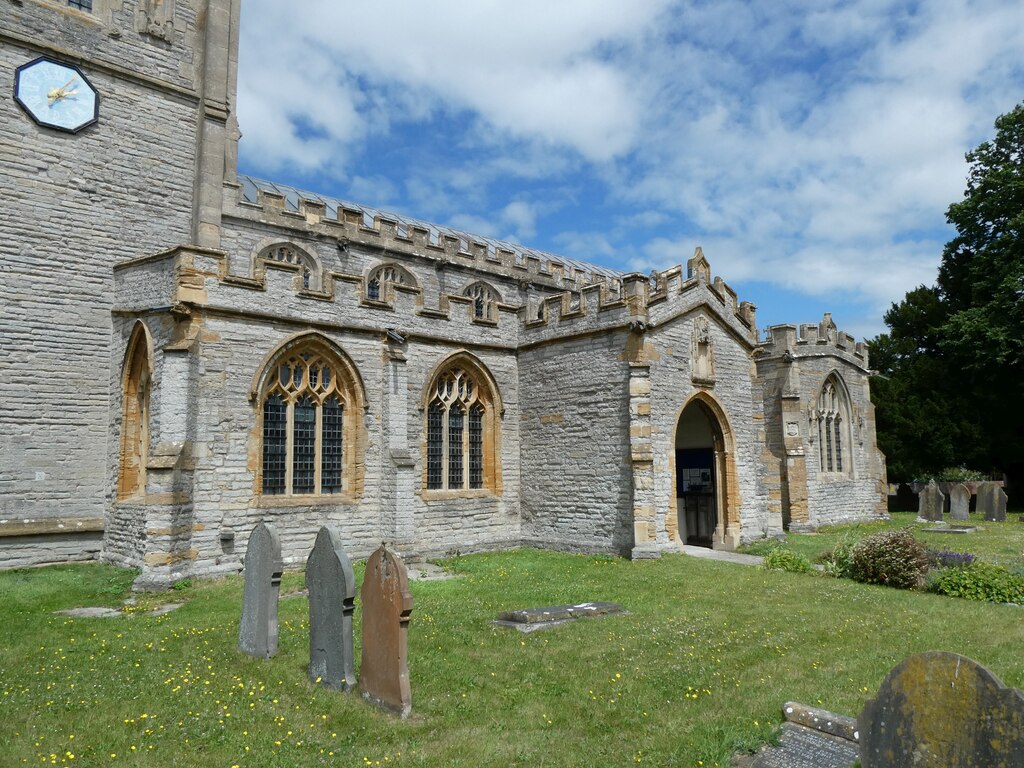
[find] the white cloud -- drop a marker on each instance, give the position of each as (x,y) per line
(812,145)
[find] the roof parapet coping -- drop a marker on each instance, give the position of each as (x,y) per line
(810,338)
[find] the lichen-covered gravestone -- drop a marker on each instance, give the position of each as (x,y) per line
(332,599)
(257,634)
(992,502)
(960,502)
(937,710)
(387,605)
(930,503)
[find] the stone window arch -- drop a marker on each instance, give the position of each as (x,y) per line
(310,405)
(287,253)
(382,277)
(485,300)
(832,418)
(461,433)
(136,377)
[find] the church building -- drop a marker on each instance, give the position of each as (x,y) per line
(186,351)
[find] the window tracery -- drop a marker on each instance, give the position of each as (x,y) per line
(309,417)
(460,432)
(485,300)
(381,277)
(832,418)
(284,253)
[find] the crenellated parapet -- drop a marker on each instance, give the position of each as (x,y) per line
(359,225)
(677,290)
(814,340)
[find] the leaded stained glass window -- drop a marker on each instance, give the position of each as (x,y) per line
(287,254)
(485,300)
(459,439)
(303,432)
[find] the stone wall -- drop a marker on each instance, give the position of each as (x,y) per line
(577,477)
(73,206)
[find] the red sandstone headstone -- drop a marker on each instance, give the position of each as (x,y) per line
(387,605)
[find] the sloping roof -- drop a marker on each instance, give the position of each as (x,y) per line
(292,195)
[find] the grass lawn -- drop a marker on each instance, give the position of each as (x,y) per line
(1001,543)
(700,667)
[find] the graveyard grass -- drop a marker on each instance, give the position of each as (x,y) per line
(999,543)
(699,669)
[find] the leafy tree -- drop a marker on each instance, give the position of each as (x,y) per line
(952,391)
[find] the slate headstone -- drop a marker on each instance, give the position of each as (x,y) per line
(992,502)
(960,502)
(940,709)
(332,598)
(930,503)
(257,634)
(387,605)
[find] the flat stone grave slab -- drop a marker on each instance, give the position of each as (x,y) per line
(952,529)
(96,612)
(801,747)
(532,619)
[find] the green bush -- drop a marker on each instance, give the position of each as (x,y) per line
(959,475)
(893,558)
(980,581)
(779,559)
(839,561)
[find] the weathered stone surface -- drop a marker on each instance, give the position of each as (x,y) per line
(960,502)
(257,633)
(801,747)
(939,709)
(533,619)
(992,502)
(842,726)
(332,599)
(387,606)
(930,503)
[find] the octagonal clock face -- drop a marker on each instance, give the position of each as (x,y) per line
(56,95)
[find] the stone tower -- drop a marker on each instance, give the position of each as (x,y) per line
(141,173)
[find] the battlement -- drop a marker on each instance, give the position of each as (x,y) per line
(811,338)
(370,227)
(675,289)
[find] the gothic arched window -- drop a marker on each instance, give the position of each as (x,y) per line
(485,301)
(310,407)
(832,416)
(381,277)
(283,253)
(135,385)
(461,430)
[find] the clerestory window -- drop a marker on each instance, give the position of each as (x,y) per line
(283,253)
(381,277)
(461,431)
(485,301)
(309,409)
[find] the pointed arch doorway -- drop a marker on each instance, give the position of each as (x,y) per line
(704,475)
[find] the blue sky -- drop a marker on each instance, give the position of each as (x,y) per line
(810,148)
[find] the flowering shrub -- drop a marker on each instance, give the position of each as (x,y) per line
(893,558)
(980,581)
(946,558)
